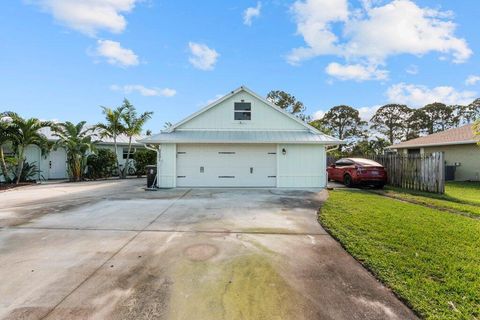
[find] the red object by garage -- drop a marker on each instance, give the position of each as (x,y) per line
(358,171)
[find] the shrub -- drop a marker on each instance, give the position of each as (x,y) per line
(101,164)
(30,172)
(143,158)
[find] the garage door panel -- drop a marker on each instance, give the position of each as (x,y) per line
(226,165)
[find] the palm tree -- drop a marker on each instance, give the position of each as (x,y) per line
(113,126)
(26,132)
(5,138)
(133,125)
(77,141)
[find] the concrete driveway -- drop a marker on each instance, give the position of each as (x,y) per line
(109,250)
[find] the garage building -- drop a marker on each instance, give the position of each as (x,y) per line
(241,140)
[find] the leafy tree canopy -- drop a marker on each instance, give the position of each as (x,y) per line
(288,103)
(391,120)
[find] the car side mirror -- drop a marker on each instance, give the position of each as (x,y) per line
(333,166)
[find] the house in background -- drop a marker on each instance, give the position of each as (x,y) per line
(241,140)
(459,146)
(53,165)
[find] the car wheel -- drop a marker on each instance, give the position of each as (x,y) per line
(347,181)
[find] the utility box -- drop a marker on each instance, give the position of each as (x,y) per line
(151,176)
(450,173)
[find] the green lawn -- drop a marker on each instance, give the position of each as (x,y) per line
(459,192)
(430,258)
(466,192)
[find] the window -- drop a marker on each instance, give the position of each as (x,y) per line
(125,153)
(243,111)
(343,163)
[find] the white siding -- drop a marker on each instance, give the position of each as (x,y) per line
(303,166)
(34,154)
(166,169)
(221,117)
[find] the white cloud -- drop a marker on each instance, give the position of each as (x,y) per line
(202,57)
(356,72)
(418,95)
(115,54)
(89,16)
(318,115)
(366,113)
(314,20)
(412,69)
(144,91)
(375,32)
(472,80)
(250,13)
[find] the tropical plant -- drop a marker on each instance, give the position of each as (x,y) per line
(101,164)
(30,172)
(113,127)
(133,125)
(6,136)
(26,132)
(143,158)
(77,140)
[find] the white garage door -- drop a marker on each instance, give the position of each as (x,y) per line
(219,165)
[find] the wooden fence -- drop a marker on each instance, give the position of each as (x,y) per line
(414,171)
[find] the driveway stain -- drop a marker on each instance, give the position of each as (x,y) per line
(200,252)
(245,287)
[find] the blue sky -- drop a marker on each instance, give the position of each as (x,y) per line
(61,59)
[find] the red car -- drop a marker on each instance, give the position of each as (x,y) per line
(355,171)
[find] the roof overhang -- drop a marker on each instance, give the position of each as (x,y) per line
(432,144)
(244,137)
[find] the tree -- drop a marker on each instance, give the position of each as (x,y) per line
(133,125)
(77,141)
(344,123)
(288,103)
(113,127)
(6,136)
(26,132)
(368,147)
(101,163)
(318,124)
(469,113)
(435,117)
(391,121)
(476,129)
(143,158)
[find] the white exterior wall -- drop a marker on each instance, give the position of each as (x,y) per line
(166,168)
(302,166)
(221,117)
(33,154)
